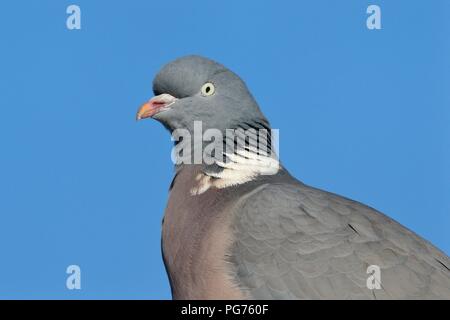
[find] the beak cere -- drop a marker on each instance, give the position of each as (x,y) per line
(155,105)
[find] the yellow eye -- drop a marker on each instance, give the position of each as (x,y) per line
(208,89)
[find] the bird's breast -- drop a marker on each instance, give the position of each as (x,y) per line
(196,239)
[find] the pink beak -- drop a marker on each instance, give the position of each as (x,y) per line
(155,105)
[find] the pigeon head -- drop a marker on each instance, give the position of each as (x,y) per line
(194,88)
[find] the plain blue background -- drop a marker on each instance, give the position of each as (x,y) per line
(361,113)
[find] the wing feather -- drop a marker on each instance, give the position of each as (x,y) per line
(297,242)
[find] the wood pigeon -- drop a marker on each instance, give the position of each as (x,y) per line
(241,227)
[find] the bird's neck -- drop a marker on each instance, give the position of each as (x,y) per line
(230,157)
(240,166)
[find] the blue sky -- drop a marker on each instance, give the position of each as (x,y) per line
(361,113)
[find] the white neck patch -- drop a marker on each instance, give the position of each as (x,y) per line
(244,166)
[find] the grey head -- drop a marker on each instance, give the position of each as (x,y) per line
(195,88)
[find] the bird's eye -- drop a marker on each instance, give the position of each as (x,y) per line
(208,89)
